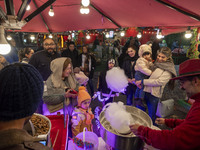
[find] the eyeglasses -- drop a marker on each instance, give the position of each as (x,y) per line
(47,44)
(182,81)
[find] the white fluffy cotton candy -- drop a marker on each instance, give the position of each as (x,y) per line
(118,117)
(116,79)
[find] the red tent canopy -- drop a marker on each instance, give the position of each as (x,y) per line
(125,13)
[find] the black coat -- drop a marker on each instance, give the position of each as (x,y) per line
(73,55)
(128,68)
(41,61)
(102,83)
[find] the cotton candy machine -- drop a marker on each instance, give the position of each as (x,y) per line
(127,141)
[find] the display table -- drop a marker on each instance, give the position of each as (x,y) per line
(58,134)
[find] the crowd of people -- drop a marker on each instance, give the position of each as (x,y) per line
(58,83)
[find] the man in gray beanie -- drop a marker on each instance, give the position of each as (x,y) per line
(21,88)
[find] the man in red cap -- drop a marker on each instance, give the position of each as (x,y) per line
(185,134)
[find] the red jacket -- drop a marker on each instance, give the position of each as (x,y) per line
(185,134)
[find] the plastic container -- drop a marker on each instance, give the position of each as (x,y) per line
(90,137)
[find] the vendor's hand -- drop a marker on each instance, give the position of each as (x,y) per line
(134,128)
(160,121)
(139,84)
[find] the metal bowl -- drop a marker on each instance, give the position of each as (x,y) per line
(124,141)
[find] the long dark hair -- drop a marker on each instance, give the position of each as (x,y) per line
(22,53)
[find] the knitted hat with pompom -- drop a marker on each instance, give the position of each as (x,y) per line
(82,95)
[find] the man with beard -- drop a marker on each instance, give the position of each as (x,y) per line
(185,133)
(42,59)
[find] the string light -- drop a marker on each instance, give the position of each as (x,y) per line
(32,37)
(9,38)
(139,35)
(107,35)
(85,3)
(51,12)
(50,36)
(88,36)
(28,7)
(122,33)
(84,10)
(188,33)
(159,34)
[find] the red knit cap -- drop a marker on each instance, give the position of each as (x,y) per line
(82,95)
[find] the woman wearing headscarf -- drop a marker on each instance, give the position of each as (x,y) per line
(61,87)
(163,71)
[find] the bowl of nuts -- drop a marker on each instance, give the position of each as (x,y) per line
(41,126)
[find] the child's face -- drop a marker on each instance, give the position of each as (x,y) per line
(111,65)
(86,104)
(148,57)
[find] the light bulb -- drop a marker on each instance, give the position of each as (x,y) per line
(122,33)
(107,35)
(159,36)
(188,34)
(5,48)
(87,10)
(139,35)
(51,12)
(82,11)
(32,37)
(9,38)
(88,37)
(28,7)
(50,36)
(85,3)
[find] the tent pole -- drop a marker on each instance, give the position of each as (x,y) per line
(111,20)
(39,10)
(179,9)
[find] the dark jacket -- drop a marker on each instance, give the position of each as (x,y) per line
(19,139)
(128,68)
(93,64)
(73,55)
(102,84)
(41,61)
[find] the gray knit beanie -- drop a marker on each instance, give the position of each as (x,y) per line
(21,89)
